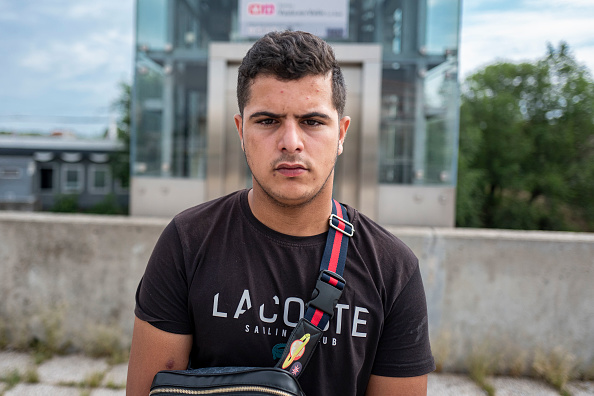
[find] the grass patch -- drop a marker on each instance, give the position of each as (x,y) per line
(31,376)
(441,349)
(518,364)
(587,373)
(105,342)
(51,340)
(3,336)
(556,367)
(481,365)
(40,352)
(12,378)
(114,386)
(92,381)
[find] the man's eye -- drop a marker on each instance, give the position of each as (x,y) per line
(268,121)
(312,122)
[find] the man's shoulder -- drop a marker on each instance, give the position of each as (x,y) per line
(209,212)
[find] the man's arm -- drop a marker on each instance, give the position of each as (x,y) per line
(154,350)
(395,386)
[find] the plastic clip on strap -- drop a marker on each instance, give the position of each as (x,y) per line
(320,309)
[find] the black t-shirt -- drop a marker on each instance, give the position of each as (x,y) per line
(239,288)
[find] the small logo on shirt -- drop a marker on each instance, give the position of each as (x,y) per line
(277,351)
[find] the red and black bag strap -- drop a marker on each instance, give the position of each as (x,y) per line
(329,286)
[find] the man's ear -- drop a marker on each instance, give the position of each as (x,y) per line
(342,132)
(239,125)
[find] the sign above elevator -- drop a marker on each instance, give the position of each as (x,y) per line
(327,19)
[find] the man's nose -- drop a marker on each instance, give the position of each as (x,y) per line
(291,139)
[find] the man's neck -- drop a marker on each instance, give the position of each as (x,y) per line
(304,220)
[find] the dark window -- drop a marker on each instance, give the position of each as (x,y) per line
(47,178)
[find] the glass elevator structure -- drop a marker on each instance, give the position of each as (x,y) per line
(400,59)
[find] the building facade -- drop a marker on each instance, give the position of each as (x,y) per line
(400,59)
(37,171)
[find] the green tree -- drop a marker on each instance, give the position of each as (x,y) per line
(527,146)
(120,164)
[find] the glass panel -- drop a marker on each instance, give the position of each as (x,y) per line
(418,134)
(441,114)
(149,104)
(151,24)
(189,138)
(397,125)
(442,26)
(189,31)
(398,23)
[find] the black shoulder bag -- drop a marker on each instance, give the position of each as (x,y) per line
(282,379)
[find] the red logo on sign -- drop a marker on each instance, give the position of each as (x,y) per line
(260,9)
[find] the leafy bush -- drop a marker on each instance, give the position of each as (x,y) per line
(67,203)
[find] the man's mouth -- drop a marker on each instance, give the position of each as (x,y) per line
(291,170)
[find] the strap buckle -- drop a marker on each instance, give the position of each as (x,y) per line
(349,230)
(325,296)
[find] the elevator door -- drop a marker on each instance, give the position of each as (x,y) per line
(355,179)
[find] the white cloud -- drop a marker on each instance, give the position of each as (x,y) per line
(105,10)
(518,35)
(558,4)
(96,9)
(66,56)
(65,60)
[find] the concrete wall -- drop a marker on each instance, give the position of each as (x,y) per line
(508,293)
(72,278)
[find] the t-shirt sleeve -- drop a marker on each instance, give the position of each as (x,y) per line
(404,349)
(162,295)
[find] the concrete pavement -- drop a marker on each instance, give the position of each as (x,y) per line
(77,375)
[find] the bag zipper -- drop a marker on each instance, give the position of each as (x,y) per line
(229,389)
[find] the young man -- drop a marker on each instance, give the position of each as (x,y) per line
(228,279)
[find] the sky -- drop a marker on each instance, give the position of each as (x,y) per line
(519,30)
(61,60)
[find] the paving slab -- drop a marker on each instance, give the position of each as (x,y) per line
(510,386)
(452,385)
(108,392)
(10,361)
(42,390)
(116,375)
(581,388)
(70,369)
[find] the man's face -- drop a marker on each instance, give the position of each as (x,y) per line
(291,136)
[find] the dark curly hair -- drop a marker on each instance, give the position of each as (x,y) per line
(290,55)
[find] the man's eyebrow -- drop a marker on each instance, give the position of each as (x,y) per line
(269,114)
(265,114)
(314,114)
